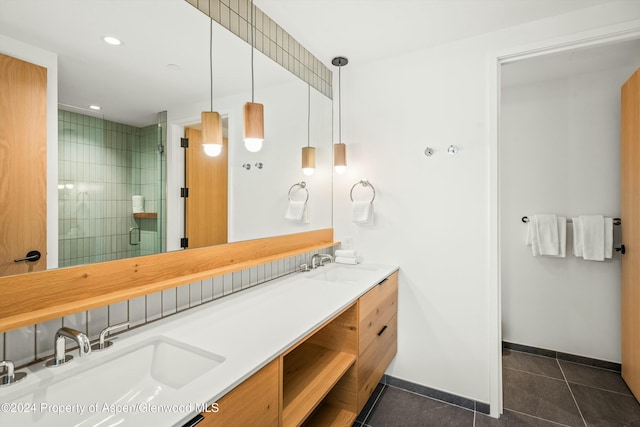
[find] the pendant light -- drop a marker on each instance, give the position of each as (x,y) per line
(253,121)
(308,152)
(211,123)
(340,149)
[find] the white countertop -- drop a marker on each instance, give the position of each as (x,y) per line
(248,329)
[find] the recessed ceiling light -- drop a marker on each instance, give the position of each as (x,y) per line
(95,107)
(112,40)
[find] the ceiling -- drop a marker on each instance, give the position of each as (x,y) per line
(133,82)
(366,30)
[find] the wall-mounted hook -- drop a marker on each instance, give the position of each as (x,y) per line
(428,151)
(247,166)
(452,149)
(259,165)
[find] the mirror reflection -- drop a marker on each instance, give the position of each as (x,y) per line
(150,89)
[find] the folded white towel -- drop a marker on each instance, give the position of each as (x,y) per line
(532,238)
(361,212)
(608,238)
(577,237)
(347,253)
(346,260)
(547,234)
(592,237)
(557,249)
(296,211)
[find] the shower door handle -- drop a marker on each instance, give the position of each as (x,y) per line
(32,256)
(130,236)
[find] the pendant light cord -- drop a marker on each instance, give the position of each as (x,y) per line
(252,30)
(308,115)
(211,61)
(340,104)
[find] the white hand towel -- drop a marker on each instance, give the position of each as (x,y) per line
(592,237)
(295,210)
(347,253)
(532,238)
(346,260)
(577,237)
(361,212)
(547,233)
(608,238)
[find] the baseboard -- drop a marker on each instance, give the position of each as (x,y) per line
(604,364)
(436,394)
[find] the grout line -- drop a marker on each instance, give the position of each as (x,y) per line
(475,413)
(600,388)
(429,397)
(364,421)
(537,418)
(571,391)
(537,375)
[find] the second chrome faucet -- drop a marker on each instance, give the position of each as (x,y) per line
(59,344)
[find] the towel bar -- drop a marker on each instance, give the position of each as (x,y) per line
(302,185)
(364,183)
(616,221)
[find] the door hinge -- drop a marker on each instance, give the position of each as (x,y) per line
(184,142)
(184,243)
(184,192)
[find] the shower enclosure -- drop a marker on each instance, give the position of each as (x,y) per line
(101,165)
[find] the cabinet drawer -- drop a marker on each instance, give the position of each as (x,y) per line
(376,307)
(252,403)
(375,360)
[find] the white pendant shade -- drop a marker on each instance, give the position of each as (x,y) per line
(211,133)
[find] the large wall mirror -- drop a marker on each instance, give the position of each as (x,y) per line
(151,90)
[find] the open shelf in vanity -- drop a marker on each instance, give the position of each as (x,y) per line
(319,376)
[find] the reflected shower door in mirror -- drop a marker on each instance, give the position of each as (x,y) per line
(110,188)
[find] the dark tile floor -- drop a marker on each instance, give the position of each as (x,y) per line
(538,392)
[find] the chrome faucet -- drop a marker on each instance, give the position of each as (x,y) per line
(322,258)
(60,358)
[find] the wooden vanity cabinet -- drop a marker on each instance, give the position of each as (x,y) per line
(252,403)
(378,344)
(327,377)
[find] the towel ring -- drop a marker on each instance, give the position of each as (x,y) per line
(364,183)
(302,185)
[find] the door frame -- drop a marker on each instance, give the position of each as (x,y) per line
(608,34)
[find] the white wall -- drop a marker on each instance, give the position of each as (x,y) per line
(560,152)
(432,214)
(48,60)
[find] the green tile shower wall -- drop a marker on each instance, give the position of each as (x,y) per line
(101,165)
(270,39)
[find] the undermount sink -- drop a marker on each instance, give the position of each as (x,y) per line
(152,372)
(341,273)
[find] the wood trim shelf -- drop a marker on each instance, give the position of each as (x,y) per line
(143,215)
(310,372)
(37,297)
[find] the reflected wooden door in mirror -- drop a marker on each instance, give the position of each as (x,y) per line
(23,161)
(206,179)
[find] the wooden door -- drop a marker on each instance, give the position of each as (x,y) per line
(630,197)
(206,206)
(23,164)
